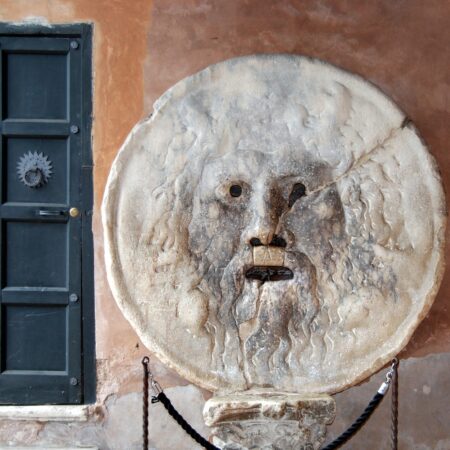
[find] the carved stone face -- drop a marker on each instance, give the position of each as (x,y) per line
(255,219)
(262,227)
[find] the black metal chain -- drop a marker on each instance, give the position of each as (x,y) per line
(391,377)
(161,397)
(357,424)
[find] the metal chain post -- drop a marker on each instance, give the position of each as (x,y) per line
(145,362)
(394,406)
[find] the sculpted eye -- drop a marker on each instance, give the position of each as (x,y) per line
(298,190)
(235,190)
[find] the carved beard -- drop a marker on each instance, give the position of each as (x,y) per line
(261,327)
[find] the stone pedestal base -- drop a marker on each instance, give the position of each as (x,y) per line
(269,420)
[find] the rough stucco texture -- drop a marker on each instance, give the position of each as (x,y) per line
(141,49)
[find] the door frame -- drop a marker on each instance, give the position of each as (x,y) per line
(82,31)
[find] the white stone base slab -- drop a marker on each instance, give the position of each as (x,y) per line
(45,413)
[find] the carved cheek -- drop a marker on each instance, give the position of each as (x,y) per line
(324,211)
(300,219)
(308,226)
(233,222)
(215,230)
(202,226)
(213,211)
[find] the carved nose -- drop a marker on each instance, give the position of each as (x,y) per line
(262,233)
(266,208)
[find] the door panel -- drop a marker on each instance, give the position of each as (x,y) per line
(36,254)
(36,337)
(42,134)
(23,99)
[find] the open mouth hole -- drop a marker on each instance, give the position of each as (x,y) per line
(269,273)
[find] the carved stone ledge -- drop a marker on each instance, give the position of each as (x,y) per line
(269,420)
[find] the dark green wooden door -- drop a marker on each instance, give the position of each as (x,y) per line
(43,128)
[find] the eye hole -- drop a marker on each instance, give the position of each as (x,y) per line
(235,190)
(298,191)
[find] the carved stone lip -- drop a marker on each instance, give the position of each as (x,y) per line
(269,273)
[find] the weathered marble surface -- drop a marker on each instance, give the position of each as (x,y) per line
(269,421)
(364,244)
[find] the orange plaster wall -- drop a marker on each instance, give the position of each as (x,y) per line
(141,47)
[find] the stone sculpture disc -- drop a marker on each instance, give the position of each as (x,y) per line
(277,223)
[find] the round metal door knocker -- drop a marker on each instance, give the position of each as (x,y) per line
(34,169)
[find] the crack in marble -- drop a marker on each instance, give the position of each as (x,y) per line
(361,161)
